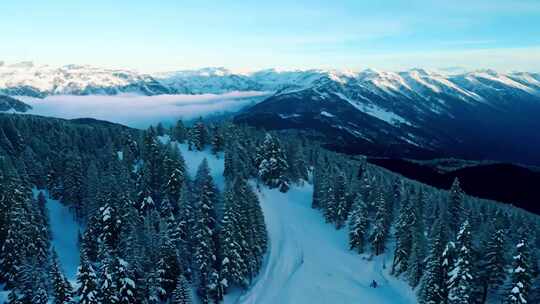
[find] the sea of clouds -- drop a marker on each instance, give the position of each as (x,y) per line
(141,111)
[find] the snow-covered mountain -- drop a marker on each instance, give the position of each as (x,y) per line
(27,79)
(416,113)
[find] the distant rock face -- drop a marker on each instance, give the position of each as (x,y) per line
(11,104)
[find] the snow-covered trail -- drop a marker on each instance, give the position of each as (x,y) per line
(65,235)
(309,262)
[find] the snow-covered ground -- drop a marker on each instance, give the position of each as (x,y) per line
(65,235)
(308,260)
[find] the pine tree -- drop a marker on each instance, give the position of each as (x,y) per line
(520,276)
(199,135)
(127,290)
(179,132)
(218,141)
(61,288)
(108,289)
(14,245)
(40,296)
(169,267)
(232,264)
(341,210)
(495,261)
(204,231)
(433,287)
(461,277)
(86,277)
(455,206)
(404,233)
(272,164)
(182,294)
(380,230)
(358,225)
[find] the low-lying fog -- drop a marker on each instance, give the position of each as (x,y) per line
(141,111)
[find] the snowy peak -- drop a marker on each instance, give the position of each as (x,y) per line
(38,81)
(26,78)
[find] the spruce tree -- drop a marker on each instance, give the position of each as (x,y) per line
(380,230)
(495,261)
(520,286)
(461,280)
(127,289)
(61,288)
(433,287)
(272,164)
(182,293)
(358,226)
(455,206)
(87,280)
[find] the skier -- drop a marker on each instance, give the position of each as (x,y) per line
(373,284)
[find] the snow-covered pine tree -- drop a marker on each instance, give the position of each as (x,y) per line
(72,182)
(520,275)
(179,132)
(433,286)
(169,267)
(108,278)
(233,267)
(404,237)
(13,249)
(380,229)
(13,296)
(87,281)
(217,141)
(40,296)
(341,210)
(110,223)
(461,280)
(455,206)
(175,168)
(358,225)
(198,135)
(495,260)
(418,249)
(416,263)
(318,189)
(205,234)
(127,289)
(182,293)
(272,164)
(61,288)
(449,257)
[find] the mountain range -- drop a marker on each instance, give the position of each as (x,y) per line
(417,113)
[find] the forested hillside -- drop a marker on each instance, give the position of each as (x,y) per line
(154,233)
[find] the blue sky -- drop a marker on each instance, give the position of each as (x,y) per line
(247,35)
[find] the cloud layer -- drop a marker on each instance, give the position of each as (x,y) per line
(141,111)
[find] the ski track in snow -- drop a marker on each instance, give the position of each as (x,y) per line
(309,262)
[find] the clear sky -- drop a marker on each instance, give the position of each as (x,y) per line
(247,35)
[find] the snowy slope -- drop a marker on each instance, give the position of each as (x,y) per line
(308,261)
(65,235)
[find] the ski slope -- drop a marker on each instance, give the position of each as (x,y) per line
(308,260)
(65,235)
